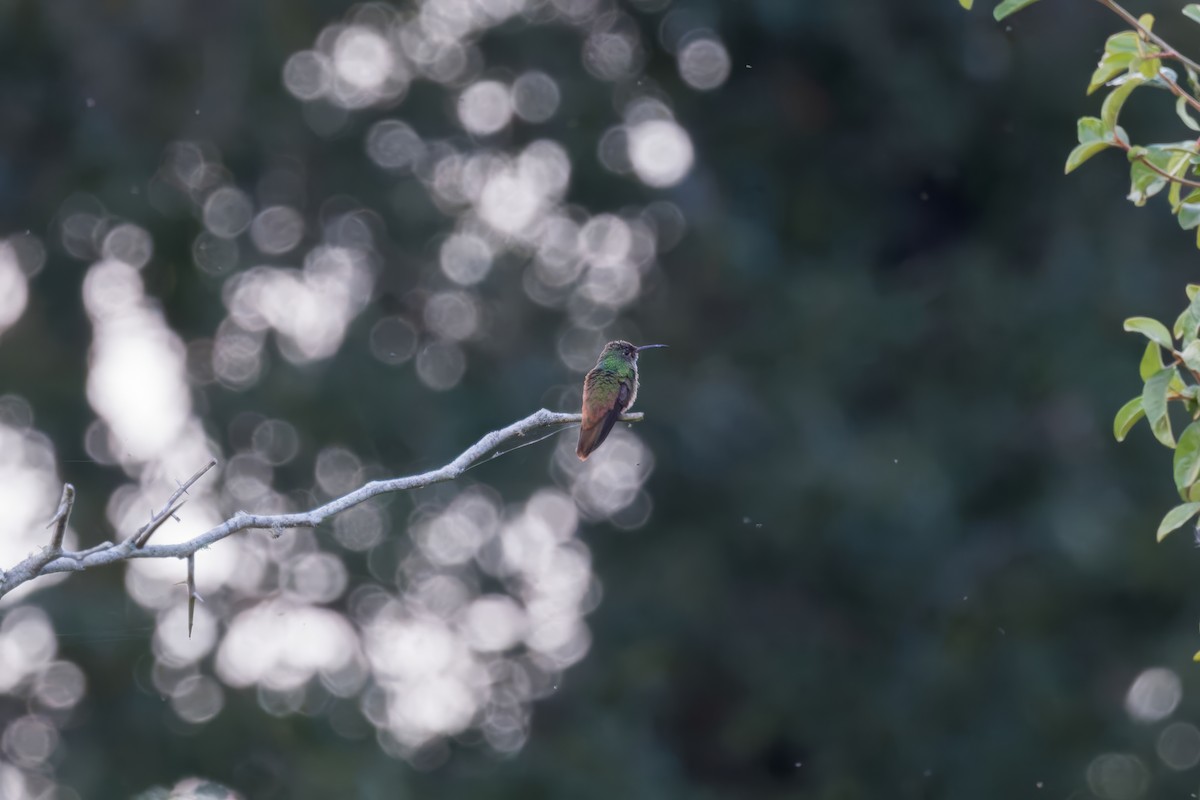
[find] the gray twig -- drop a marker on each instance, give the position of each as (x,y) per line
(61,516)
(48,561)
(50,552)
(156,520)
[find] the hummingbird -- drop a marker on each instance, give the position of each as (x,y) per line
(608,392)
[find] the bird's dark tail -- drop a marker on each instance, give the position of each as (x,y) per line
(592,436)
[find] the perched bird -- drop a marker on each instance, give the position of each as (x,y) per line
(608,392)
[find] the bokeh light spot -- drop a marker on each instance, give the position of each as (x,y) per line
(130,244)
(1179,745)
(704,64)
(362,57)
(1154,695)
(276,441)
(197,699)
(316,577)
(393,340)
(227,212)
(452,315)
(338,471)
(307,74)
(535,97)
(29,741)
(485,107)
(214,255)
(60,685)
(277,229)
(1117,776)
(660,151)
(360,528)
(393,145)
(14,289)
(609,56)
(441,365)
(465,259)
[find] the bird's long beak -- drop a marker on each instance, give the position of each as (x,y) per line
(650,347)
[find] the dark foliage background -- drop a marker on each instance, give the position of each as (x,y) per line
(894,550)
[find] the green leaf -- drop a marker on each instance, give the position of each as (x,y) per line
(1181,108)
(1189,215)
(1009,7)
(1123,42)
(1154,400)
(1166,156)
(1111,65)
(1186,461)
(1164,77)
(1189,321)
(1127,417)
(1081,153)
(1191,356)
(1179,167)
(1192,11)
(1151,361)
(1185,326)
(1148,67)
(1116,99)
(1090,129)
(1158,164)
(1144,183)
(1176,517)
(1152,329)
(1193,289)
(966,4)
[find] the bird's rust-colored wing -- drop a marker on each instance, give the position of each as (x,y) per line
(600,413)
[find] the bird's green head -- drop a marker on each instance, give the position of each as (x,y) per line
(622,352)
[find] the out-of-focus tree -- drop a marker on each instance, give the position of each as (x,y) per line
(409,221)
(874,538)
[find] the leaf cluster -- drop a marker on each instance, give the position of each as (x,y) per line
(1170,372)
(1133,59)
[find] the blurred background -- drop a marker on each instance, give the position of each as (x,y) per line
(873,539)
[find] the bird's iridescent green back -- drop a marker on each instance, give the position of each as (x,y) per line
(608,390)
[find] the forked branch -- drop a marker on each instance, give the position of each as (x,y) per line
(54,559)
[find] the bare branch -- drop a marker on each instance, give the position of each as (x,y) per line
(59,522)
(47,561)
(61,516)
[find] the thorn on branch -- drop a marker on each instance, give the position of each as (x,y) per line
(193,595)
(146,531)
(59,520)
(156,520)
(53,559)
